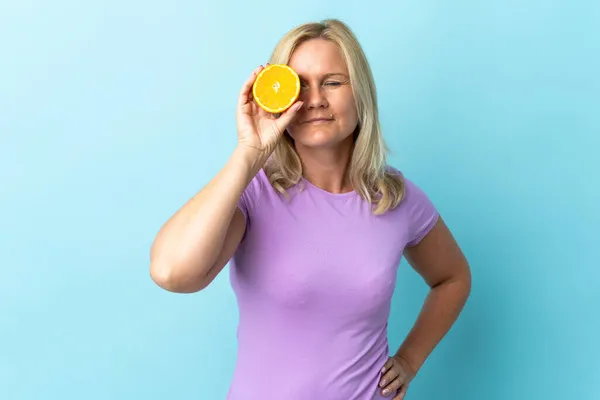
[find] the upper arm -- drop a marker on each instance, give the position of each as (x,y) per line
(240,221)
(431,248)
(234,235)
(437,257)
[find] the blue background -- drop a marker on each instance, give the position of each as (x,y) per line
(114,113)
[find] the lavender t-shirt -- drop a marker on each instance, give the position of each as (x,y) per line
(314,277)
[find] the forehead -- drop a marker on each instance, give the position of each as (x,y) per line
(317,57)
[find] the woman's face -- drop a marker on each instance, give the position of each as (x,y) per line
(328,116)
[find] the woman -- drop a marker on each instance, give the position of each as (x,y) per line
(315,222)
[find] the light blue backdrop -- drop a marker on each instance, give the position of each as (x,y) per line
(114,113)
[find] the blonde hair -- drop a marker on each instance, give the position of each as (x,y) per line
(368,171)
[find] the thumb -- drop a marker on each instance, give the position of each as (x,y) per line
(286,117)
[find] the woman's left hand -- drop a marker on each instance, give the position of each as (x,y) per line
(396,376)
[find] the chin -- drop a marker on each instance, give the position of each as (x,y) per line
(316,138)
(317,135)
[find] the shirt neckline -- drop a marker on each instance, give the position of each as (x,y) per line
(325,192)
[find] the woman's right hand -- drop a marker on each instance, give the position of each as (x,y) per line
(257,128)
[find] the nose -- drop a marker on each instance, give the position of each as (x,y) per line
(315,98)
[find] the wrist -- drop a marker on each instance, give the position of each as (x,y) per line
(409,362)
(249,158)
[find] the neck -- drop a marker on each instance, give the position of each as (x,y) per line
(327,168)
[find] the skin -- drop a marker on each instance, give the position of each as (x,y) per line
(195,244)
(324,146)
(440,262)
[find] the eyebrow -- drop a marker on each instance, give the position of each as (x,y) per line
(329,75)
(335,74)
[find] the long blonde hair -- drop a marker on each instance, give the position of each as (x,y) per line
(368,171)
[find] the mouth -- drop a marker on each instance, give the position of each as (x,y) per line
(317,120)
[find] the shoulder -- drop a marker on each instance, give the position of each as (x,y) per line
(260,181)
(252,193)
(417,206)
(411,191)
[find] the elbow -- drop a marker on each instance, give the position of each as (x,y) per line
(162,275)
(168,277)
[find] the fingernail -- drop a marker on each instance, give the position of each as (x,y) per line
(386,392)
(382,384)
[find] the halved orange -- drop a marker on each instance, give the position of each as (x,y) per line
(276,88)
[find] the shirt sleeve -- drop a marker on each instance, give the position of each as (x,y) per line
(249,198)
(422,213)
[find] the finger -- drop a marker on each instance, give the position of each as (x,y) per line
(402,393)
(387,365)
(392,387)
(286,117)
(247,87)
(389,376)
(262,113)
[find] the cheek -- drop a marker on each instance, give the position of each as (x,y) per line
(343,97)
(346,111)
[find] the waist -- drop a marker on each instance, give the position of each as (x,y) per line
(307,366)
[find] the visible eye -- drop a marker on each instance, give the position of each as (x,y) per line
(305,86)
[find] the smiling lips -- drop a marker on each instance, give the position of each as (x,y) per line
(320,120)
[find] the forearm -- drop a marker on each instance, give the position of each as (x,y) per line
(440,310)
